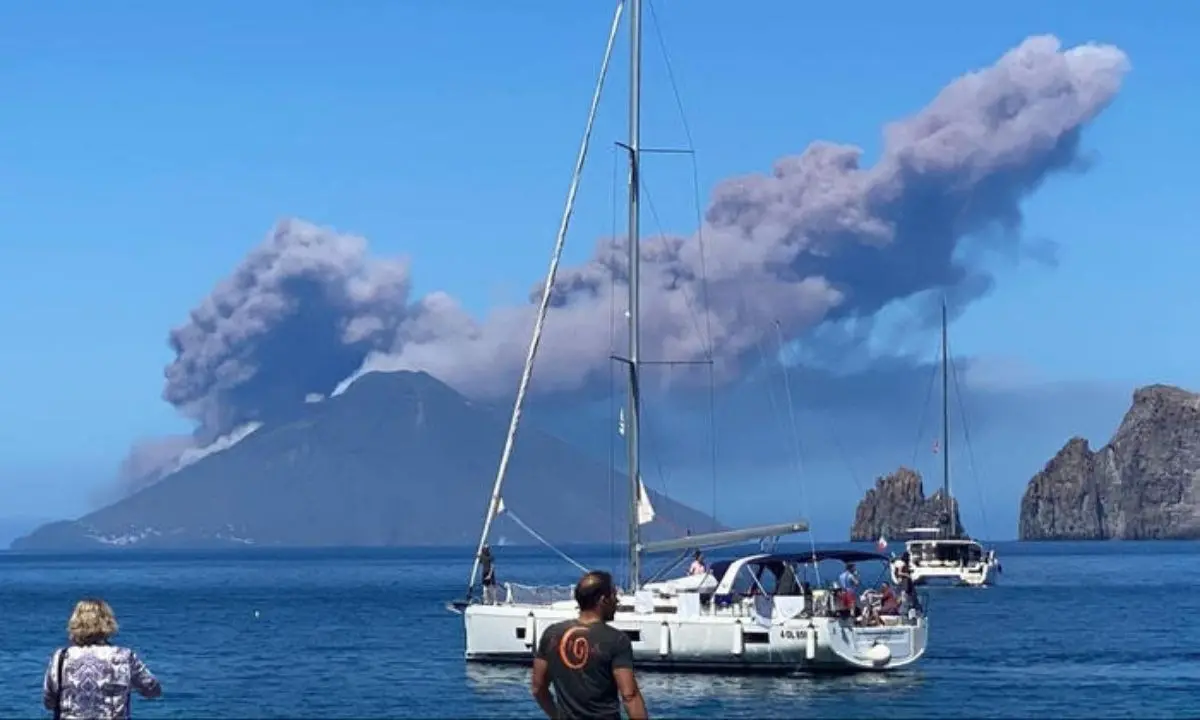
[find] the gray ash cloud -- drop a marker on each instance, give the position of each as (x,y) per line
(816,241)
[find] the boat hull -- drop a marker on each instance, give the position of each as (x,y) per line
(980,575)
(707,643)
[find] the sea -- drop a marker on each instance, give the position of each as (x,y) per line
(1087,630)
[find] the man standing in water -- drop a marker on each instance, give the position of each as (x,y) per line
(587,663)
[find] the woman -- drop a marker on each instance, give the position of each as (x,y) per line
(91,679)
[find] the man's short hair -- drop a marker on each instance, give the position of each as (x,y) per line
(593,587)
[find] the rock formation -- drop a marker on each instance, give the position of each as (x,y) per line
(896,503)
(1142,485)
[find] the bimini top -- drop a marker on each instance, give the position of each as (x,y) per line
(849,556)
(720,567)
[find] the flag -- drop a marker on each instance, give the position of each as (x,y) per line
(935,447)
(881,543)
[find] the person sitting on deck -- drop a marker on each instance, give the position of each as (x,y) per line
(698,567)
(870,615)
(889,602)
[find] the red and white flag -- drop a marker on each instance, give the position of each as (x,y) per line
(881,543)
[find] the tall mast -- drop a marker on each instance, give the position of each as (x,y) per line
(495,503)
(946,425)
(633,442)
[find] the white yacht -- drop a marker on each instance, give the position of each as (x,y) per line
(751,613)
(944,554)
(759,613)
(960,561)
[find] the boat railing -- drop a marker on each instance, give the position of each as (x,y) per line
(820,604)
(518,594)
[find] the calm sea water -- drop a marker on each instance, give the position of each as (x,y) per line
(1073,630)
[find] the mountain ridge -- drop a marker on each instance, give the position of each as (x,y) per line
(399,458)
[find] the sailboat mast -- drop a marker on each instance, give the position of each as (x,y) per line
(946,424)
(633,429)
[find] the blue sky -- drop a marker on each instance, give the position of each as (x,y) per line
(145,147)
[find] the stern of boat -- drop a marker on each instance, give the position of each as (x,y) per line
(876,648)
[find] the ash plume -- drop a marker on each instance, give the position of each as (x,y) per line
(818,240)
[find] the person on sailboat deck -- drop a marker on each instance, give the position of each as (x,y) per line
(698,567)
(588,663)
(904,575)
(488,566)
(848,581)
(889,602)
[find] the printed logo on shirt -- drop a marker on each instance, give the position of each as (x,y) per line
(574,648)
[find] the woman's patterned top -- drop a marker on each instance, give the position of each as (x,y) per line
(96,682)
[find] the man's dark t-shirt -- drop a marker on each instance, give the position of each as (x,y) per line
(581,658)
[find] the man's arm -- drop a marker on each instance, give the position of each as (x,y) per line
(540,687)
(631,694)
(539,683)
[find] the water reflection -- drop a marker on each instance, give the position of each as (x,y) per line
(684,688)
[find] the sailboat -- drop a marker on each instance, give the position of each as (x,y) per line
(751,613)
(945,553)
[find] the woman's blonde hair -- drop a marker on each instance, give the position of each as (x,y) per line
(91,623)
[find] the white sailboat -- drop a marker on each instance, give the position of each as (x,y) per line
(757,613)
(945,554)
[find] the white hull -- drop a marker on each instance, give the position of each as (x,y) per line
(977,575)
(508,633)
(975,569)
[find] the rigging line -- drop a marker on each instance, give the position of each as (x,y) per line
(933,374)
(962,413)
(662,233)
(791,405)
(776,413)
(846,458)
(765,368)
(544,303)
(513,516)
(612,368)
(708,334)
(688,300)
(662,46)
(709,340)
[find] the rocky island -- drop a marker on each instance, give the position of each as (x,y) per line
(1142,485)
(898,502)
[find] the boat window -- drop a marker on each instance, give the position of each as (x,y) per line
(744,583)
(789,582)
(955,552)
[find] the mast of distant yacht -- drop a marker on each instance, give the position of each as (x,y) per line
(953,530)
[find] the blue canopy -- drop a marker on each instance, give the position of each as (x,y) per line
(720,567)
